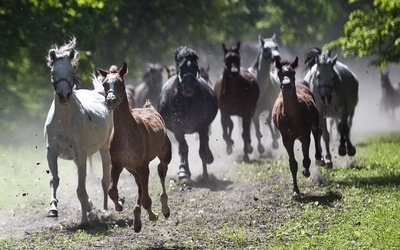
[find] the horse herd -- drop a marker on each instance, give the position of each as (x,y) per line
(81,122)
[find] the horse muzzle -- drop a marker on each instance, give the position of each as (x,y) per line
(111,101)
(326,99)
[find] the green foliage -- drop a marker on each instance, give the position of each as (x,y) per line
(373,30)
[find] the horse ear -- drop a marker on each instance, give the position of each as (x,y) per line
(102,72)
(52,54)
(274,37)
(278,64)
(334,59)
(124,69)
(224,47)
(238,45)
(295,63)
(72,54)
(261,40)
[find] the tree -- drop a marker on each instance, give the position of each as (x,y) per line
(372,30)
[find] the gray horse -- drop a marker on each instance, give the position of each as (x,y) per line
(269,83)
(78,124)
(335,88)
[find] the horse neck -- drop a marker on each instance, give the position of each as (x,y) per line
(290,101)
(122,113)
(264,70)
(65,112)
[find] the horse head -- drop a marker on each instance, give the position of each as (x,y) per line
(269,48)
(153,75)
(232,59)
(286,74)
(63,62)
(187,69)
(114,85)
(326,75)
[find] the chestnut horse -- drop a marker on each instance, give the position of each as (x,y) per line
(237,92)
(139,135)
(188,105)
(78,125)
(295,114)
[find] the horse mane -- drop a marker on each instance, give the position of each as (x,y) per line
(64,51)
(184,52)
(310,56)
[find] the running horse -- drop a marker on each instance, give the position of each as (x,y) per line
(237,92)
(150,88)
(295,114)
(139,135)
(390,96)
(335,88)
(78,124)
(188,105)
(269,87)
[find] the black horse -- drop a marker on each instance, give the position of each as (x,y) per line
(188,105)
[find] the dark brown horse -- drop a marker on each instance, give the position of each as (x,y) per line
(237,92)
(390,96)
(139,135)
(295,114)
(188,105)
(151,85)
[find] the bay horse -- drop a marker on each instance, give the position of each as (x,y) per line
(78,124)
(237,92)
(335,88)
(295,114)
(139,135)
(390,96)
(150,87)
(188,105)
(268,81)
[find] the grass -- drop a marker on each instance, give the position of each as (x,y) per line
(357,208)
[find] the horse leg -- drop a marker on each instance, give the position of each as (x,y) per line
(115,172)
(105,181)
(227,127)
(184,172)
(351,150)
(204,151)
(247,149)
(305,147)
(54,181)
(256,121)
(274,133)
(137,224)
(326,137)
(293,166)
(144,191)
(317,142)
(165,159)
(86,205)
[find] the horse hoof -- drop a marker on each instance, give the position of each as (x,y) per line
(320,162)
(351,151)
(342,151)
(166,212)
(329,165)
(137,227)
(52,213)
(153,217)
(246,158)
(275,145)
(306,173)
(261,149)
(229,150)
(296,196)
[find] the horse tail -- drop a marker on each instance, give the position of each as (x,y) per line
(148,104)
(309,57)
